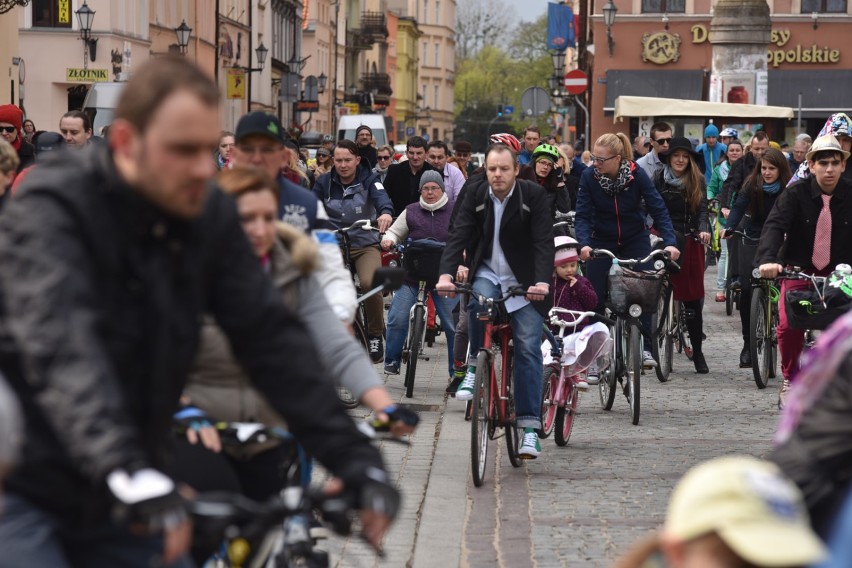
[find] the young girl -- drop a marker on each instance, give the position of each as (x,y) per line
(570,290)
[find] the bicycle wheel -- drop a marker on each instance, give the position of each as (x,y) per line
(634,371)
(761,356)
(480,416)
(549,383)
(662,343)
(513,437)
(565,414)
(416,330)
(606,386)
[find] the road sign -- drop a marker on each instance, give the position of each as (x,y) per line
(535,101)
(508,109)
(576,82)
(409,131)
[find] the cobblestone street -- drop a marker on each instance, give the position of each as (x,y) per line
(580,505)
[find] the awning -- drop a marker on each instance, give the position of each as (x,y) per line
(653,106)
(687,84)
(823,92)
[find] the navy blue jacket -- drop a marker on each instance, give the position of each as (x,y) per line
(364,198)
(620,218)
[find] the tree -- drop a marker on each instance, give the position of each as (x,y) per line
(480,23)
(529,42)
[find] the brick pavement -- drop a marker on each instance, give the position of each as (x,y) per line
(575,506)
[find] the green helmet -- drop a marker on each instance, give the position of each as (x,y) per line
(546,151)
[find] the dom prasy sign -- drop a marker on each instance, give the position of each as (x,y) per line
(782,51)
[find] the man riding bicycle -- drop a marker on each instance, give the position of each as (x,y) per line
(505,225)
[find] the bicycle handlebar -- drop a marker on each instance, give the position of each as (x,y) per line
(580,317)
(510,293)
(363,224)
(631,262)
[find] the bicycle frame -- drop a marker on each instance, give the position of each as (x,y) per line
(495,407)
(421,301)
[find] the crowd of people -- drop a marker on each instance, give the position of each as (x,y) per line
(145,277)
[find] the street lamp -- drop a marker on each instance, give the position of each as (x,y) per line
(261,53)
(609,11)
(553,83)
(558,58)
(85,18)
(183,32)
(322,81)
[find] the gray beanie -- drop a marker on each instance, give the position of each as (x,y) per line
(433,176)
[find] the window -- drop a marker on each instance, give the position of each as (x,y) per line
(437,55)
(436,105)
(437,12)
(52,13)
(425,49)
(663,6)
(425,11)
(824,6)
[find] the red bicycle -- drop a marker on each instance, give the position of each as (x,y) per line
(493,404)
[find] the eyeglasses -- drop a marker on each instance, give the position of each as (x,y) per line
(599,160)
(430,188)
(383,158)
(663,141)
(547,163)
(9,129)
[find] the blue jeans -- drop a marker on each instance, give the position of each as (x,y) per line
(398,314)
(32,537)
(526,336)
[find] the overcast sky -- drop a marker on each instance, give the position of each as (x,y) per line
(530,10)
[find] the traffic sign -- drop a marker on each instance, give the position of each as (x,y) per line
(508,109)
(535,101)
(576,82)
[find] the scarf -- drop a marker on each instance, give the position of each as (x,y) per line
(772,188)
(432,207)
(671,179)
(612,186)
(724,169)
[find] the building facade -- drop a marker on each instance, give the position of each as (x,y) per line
(10,56)
(662,48)
(319,43)
(405,90)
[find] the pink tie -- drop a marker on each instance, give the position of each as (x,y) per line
(822,242)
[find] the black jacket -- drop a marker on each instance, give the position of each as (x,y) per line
(795,214)
(402,186)
(26,154)
(101,298)
(526,234)
(684,221)
(369,156)
(740,170)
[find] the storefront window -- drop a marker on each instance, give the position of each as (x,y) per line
(52,13)
(663,6)
(824,6)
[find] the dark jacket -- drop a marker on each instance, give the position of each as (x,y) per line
(26,154)
(369,156)
(740,170)
(101,298)
(757,217)
(558,198)
(402,186)
(795,214)
(526,234)
(684,221)
(617,219)
(364,198)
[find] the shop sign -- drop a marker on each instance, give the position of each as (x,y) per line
(777,54)
(79,75)
(661,47)
(64,12)
(306,106)
(236,84)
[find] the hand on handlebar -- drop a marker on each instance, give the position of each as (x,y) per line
(387,244)
(673,251)
(384,221)
(199,427)
(770,270)
(537,292)
(445,286)
(725,212)
(704,237)
(585,253)
(462,273)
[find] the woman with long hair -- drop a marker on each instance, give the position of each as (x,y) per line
(612,202)
(682,187)
(757,197)
(714,189)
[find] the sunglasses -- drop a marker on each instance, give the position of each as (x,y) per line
(383,158)
(663,141)
(9,129)
(599,160)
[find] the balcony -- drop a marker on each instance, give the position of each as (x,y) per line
(356,40)
(374,25)
(379,83)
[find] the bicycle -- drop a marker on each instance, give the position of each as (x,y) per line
(560,395)
(642,294)
(733,290)
(763,322)
(670,332)
(493,404)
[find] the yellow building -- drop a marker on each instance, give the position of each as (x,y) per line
(9,52)
(405,84)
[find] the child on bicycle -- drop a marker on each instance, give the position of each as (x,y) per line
(572,291)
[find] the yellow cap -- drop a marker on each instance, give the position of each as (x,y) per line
(749,503)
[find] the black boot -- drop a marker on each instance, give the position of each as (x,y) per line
(700,364)
(745,357)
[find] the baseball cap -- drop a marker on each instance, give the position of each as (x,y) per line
(261,123)
(751,506)
(49,141)
(827,143)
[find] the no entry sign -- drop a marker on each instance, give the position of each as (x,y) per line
(576,82)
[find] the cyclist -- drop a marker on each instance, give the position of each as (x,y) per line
(108,259)
(531,140)
(760,191)
(504,225)
(815,214)
(711,151)
(551,179)
(727,135)
(720,174)
(681,186)
(437,154)
(610,216)
(224,150)
(427,219)
(661,135)
(366,146)
(352,193)
(384,160)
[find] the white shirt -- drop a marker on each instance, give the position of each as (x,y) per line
(453,181)
(497,269)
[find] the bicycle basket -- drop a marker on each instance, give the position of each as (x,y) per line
(643,288)
(805,310)
(422,260)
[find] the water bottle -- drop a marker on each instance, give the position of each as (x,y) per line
(617,291)
(843,268)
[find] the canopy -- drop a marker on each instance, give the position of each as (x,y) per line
(653,106)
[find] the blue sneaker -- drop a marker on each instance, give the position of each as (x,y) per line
(391,368)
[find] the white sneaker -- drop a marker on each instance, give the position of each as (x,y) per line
(648,361)
(465,391)
(593,375)
(581,383)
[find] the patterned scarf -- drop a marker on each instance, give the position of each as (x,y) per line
(838,124)
(612,186)
(818,370)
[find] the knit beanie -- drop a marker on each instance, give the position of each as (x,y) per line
(363,127)
(12,114)
(433,176)
(711,130)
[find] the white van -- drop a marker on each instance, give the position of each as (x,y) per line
(100,104)
(348,123)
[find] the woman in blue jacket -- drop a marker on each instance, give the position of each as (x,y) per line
(611,215)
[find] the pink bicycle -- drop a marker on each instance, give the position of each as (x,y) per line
(571,358)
